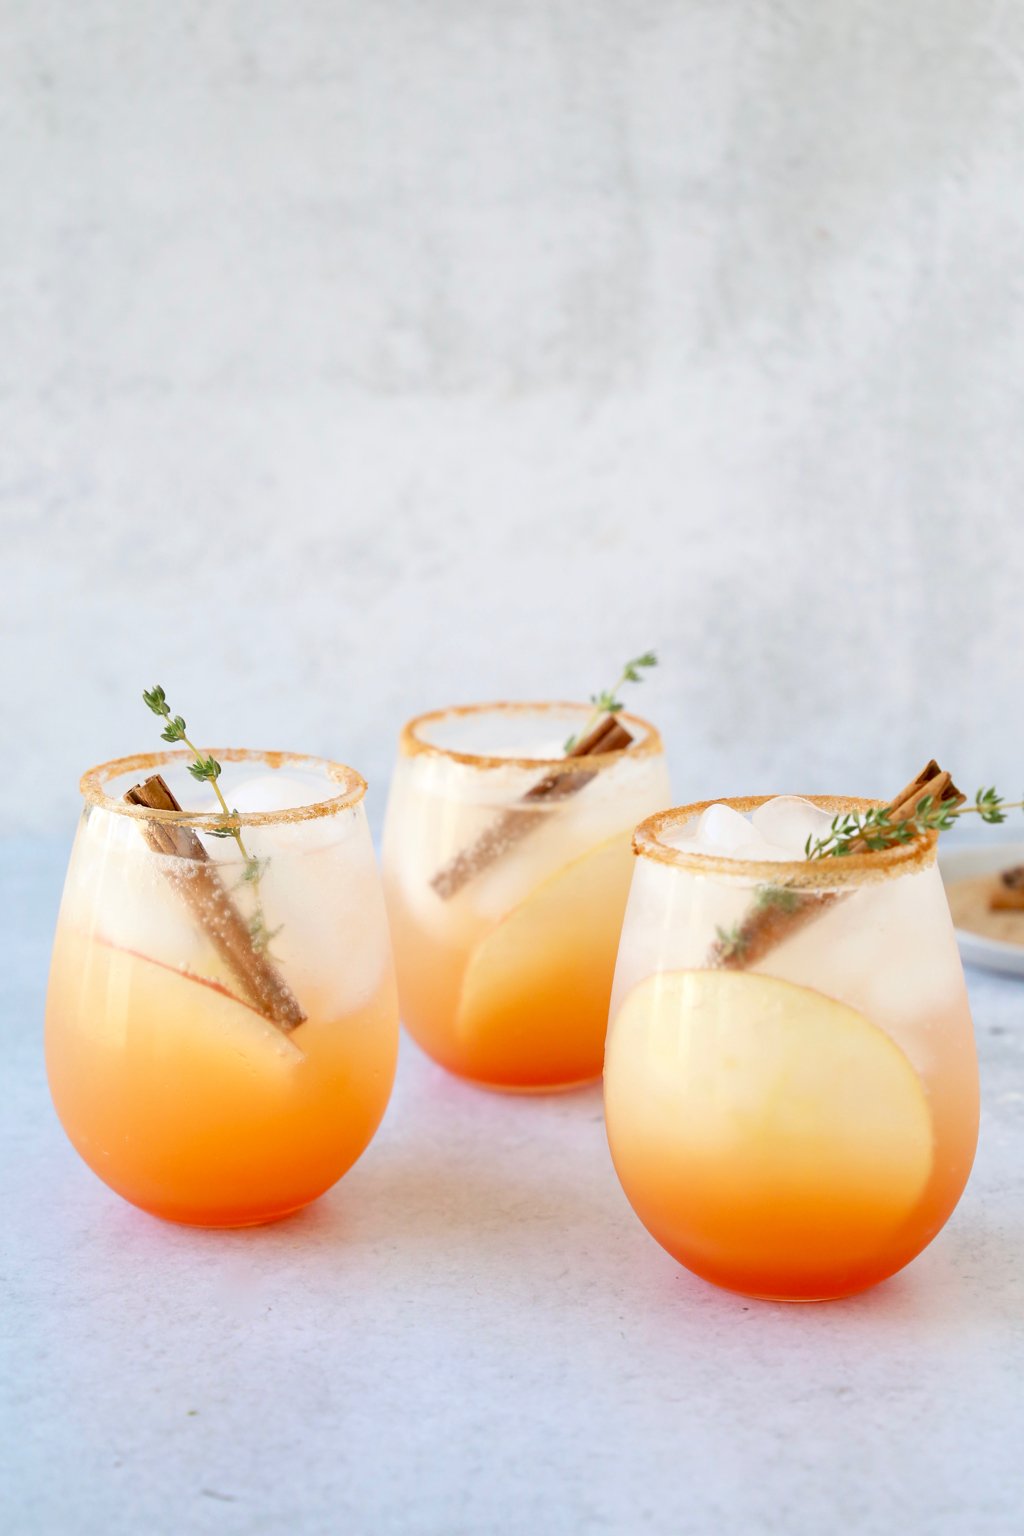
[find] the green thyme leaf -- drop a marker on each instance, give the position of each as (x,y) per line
(877,830)
(607,702)
(207,770)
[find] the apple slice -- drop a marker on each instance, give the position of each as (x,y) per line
(753,1116)
(160,991)
(535,992)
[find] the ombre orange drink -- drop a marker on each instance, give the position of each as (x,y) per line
(169,1078)
(506,907)
(798,1121)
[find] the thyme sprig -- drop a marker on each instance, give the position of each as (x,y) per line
(876,829)
(731,941)
(735,940)
(207,770)
(782,897)
(607,702)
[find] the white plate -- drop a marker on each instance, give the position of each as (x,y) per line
(961,864)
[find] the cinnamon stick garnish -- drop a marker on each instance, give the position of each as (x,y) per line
(1008,895)
(609,735)
(932,781)
(780,912)
(203,890)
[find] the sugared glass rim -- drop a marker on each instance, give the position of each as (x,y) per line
(94,780)
(411,742)
(854,869)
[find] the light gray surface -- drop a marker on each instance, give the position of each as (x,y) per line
(361,358)
(472,1336)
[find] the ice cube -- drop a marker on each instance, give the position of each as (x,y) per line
(688,839)
(277,791)
(888,950)
(326,911)
(788,821)
(118,888)
(721,829)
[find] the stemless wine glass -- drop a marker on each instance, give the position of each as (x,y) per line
(791,1087)
(222,1019)
(506,868)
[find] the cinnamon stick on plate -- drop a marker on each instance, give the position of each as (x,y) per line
(780,911)
(609,735)
(1008,895)
(203,890)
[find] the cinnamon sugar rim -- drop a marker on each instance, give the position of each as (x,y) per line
(827,873)
(411,743)
(94,780)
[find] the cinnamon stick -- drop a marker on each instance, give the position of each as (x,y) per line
(609,735)
(933,781)
(203,890)
(780,912)
(1008,895)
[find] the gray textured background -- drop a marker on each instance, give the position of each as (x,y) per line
(359,358)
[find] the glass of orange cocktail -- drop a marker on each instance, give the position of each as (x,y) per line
(507,866)
(791,1086)
(222,1021)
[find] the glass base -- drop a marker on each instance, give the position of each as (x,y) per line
(533,1090)
(795,1301)
(197,1224)
(787,1301)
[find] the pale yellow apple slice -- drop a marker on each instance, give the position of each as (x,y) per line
(536,989)
(201,1012)
(757,1109)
